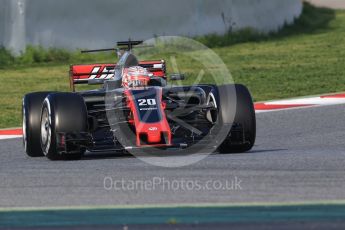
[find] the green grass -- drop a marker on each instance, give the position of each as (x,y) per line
(36,56)
(306,58)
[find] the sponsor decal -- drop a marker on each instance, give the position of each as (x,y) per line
(104,74)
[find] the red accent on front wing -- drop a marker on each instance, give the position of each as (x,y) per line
(154,135)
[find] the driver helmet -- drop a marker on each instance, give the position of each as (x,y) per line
(135,76)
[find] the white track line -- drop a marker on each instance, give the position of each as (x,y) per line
(299,103)
(5,137)
(309,101)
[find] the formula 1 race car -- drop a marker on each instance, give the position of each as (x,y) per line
(136,109)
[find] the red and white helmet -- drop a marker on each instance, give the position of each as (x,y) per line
(135,76)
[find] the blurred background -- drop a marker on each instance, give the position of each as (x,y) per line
(87,23)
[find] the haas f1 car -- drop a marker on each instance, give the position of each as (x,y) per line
(135,108)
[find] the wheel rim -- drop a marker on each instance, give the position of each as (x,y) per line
(212,115)
(45,130)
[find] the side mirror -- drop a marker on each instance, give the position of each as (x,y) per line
(177,77)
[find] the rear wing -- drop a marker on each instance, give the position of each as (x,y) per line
(81,74)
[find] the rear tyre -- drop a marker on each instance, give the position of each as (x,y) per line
(244,117)
(62,113)
(31,114)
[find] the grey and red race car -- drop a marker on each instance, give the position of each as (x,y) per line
(135,109)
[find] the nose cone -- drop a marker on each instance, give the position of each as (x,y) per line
(153,135)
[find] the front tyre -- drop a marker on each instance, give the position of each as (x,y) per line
(31,117)
(241,114)
(62,113)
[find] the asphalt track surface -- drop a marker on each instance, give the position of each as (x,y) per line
(299,156)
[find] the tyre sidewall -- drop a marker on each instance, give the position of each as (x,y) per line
(31,118)
(50,149)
